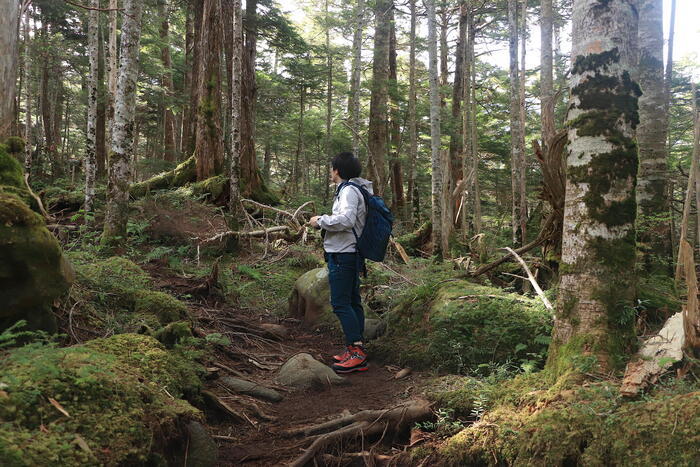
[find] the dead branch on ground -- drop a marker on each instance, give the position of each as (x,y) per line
(531,278)
(364,424)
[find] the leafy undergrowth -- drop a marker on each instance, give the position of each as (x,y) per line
(530,420)
(110,401)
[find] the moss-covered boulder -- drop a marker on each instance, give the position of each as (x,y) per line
(310,299)
(579,425)
(459,325)
(114,401)
(12,178)
(33,271)
(116,293)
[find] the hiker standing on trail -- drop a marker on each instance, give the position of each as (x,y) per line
(341,231)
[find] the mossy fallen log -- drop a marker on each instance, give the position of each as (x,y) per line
(181,175)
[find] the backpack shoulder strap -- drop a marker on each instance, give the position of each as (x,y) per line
(363,191)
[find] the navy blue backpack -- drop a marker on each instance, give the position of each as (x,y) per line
(373,242)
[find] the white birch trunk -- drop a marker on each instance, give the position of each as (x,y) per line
(91,134)
(435,129)
(597,286)
(111,66)
(122,144)
(356,76)
(236,54)
(9,57)
(27,96)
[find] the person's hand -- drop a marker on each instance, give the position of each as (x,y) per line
(314,222)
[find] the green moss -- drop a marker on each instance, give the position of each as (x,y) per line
(263,194)
(14,145)
(581,425)
(459,325)
(597,61)
(184,173)
(11,171)
(213,187)
(165,307)
(122,395)
(116,294)
(33,271)
(412,241)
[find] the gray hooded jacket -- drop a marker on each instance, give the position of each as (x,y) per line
(349,210)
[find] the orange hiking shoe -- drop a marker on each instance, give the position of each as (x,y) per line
(342,356)
(356,361)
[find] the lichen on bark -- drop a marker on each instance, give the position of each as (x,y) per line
(593,325)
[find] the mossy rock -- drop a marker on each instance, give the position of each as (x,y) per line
(460,325)
(215,189)
(33,271)
(15,145)
(310,299)
(413,241)
(159,304)
(584,425)
(117,294)
(122,396)
(11,171)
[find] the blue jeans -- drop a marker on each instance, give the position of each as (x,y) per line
(344,281)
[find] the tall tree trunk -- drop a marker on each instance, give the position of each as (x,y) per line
(652,132)
(117,211)
(397,197)
(112,67)
(296,168)
(444,49)
(457,135)
(101,130)
(209,148)
(412,124)
(546,74)
(668,80)
(191,23)
(8,64)
(91,136)
(329,92)
(27,97)
(522,191)
(169,148)
(236,71)
(356,76)
(473,128)
(436,193)
(597,288)
(378,112)
(515,128)
(250,175)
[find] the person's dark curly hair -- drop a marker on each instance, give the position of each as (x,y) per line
(347,165)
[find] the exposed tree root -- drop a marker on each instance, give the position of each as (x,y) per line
(364,424)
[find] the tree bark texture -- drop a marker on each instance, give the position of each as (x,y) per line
(117,211)
(112,67)
(456,133)
(652,132)
(27,96)
(397,197)
(522,191)
(169,147)
(546,74)
(9,59)
(91,134)
(436,193)
(356,76)
(473,128)
(412,124)
(209,147)
(250,175)
(378,110)
(515,122)
(594,320)
(236,71)
(194,17)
